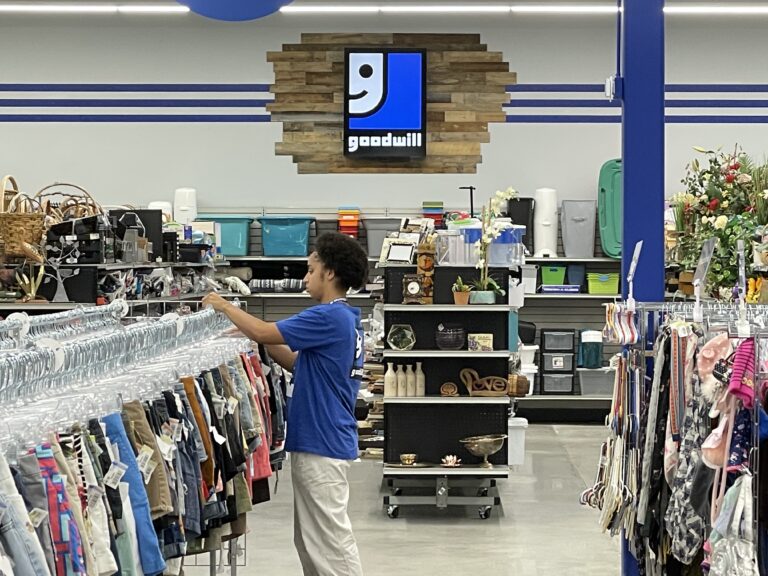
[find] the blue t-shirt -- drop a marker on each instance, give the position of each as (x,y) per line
(327,375)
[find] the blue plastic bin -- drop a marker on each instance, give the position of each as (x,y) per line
(285,235)
(235,232)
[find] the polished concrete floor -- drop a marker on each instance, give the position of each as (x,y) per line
(541,530)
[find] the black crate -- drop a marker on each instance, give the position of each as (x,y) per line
(445,276)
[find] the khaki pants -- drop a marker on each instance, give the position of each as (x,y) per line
(322,530)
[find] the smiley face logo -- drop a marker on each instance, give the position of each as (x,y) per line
(367,86)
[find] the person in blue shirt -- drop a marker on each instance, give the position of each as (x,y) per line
(323,348)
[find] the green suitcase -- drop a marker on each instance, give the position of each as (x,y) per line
(610,207)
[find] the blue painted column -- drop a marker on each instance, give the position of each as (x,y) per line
(642,92)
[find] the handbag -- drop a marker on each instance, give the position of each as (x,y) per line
(734,552)
(723,368)
(21,222)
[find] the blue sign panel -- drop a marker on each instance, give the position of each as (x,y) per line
(385,103)
(235,10)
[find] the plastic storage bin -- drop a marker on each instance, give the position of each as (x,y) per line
(577,219)
(611,207)
(516,441)
(235,232)
(285,235)
(557,383)
(597,382)
(591,349)
(606,284)
(553,275)
(376,229)
(577,274)
(558,362)
(558,340)
(528,353)
(529,274)
(531,371)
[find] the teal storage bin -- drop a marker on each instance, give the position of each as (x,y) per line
(285,235)
(235,232)
(610,207)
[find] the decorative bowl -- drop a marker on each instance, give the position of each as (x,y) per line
(401,337)
(484,446)
(450,337)
(408,459)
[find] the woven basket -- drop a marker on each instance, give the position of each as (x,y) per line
(8,193)
(60,205)
(22,221)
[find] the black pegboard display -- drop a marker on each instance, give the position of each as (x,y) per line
(438,370)
(434,430)
(445,276)
(425,325)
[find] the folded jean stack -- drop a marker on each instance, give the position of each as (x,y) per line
(136,491)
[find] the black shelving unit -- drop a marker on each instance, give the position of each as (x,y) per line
(432,426)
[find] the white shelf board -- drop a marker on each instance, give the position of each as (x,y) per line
(595,370)
(499,471)
(449,400)
(444,354)
(447,308)
(43,306)
(564,260)
(565,400)
(606,297)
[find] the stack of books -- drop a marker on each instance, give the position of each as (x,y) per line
(433,210)
(349,221)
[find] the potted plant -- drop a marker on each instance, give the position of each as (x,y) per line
(486,288)
(461,292)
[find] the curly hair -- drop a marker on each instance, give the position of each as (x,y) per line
(345,257)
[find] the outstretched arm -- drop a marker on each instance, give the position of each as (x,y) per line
(254,328)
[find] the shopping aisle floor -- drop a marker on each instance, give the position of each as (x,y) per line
(541,531)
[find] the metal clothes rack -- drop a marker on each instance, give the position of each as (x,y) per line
(721,317)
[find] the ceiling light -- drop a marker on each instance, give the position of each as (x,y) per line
(152,9)
(722,10)
(59,8)
(564,9)
(447,9)
(329,9)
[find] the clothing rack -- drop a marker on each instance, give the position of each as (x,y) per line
(27,372)
(739,322)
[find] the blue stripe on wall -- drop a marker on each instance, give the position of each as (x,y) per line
(571,103)
(564,88)
(137,118)
(610,119)
(130,103)
(134,87)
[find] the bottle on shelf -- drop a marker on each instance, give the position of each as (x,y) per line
(421,381)
(410,377)
(390,381)
(402,382)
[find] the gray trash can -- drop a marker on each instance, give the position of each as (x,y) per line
(377,229)
(577,219)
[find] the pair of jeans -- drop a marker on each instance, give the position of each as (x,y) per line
(18,538)
(150,556)
(29,469)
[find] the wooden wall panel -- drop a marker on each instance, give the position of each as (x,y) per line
(466,90)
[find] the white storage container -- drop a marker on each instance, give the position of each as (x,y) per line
(597,382)
(528,354)
(516,441)
(530,273)
(530,371)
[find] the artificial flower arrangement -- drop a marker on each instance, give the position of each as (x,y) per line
(491,230)
(725,197)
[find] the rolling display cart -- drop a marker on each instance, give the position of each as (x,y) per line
(433,426)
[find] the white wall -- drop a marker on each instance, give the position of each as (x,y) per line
(233,165)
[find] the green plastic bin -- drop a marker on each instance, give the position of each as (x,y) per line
(553,275)
(610,207)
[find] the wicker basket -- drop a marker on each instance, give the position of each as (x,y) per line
(60,205)
(22,221)
(8,193)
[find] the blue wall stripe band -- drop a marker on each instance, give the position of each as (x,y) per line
(610,119)
(136,118)
(569,103)
(134,87)
(669,88)
(130,103)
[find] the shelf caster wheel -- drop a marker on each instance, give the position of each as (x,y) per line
(393,511)
(484,512)
(482,492)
